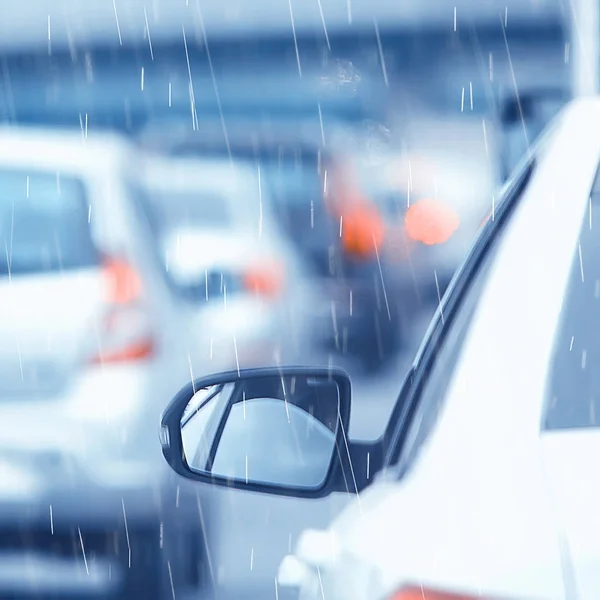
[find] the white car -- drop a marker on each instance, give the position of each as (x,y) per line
(90,341)
(223,250)
(485,481)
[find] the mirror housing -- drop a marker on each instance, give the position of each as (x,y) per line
(347,468)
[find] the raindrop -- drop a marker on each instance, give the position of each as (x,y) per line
(117,20)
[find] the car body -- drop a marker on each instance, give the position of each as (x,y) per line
(223,249)
(481,483)
(90,339)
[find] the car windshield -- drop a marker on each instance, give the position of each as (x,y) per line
(290,174)
(43,223)
(202,209)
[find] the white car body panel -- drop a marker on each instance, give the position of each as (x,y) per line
(491,506)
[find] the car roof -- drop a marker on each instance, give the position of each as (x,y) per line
(228,181)
(188,174)
(51,149)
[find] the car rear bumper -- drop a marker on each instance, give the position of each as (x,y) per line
(87,516)
(124,548)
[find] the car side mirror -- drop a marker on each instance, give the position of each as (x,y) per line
(273,430)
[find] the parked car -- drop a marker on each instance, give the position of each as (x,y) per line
(90,340)
(222,249)
(480,486)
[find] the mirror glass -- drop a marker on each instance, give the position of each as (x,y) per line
(270,430)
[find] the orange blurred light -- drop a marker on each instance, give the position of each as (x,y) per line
(265,280)
(124,283)
(137,351)
(431,222)
(363,231)
(419,593)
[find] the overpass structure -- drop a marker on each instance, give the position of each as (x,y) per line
(51,24)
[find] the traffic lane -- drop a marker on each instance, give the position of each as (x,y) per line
(248,534)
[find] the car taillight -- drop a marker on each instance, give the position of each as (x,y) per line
(123,284)
(124,332)
(362,231)
(421,593)
(431,222)
(266,279)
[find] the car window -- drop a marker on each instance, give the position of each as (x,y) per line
(200,421)
(436,373)
(291,175)
(173,209)
(44,223)
(573,395)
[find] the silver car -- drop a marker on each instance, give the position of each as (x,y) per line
(223,251)
(90,335)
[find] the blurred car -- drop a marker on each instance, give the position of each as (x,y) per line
(482,485)
(359,315)
(90,340)
(224,252)
(431,208)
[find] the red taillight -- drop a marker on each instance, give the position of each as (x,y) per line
(363,231)
(124,285)
(265,279)
(420,593)
(124,332)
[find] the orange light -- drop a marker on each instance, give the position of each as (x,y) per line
(431,222)
(123,293)
(138,351)
(363,231)
(124,284)
(265,280)
(419,593)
